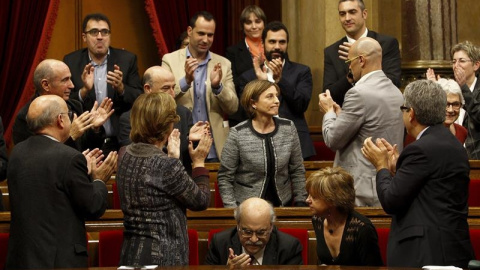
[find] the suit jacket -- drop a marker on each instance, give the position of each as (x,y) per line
(371,109)
(281,249)
(127,62)
(89,139)
(51,195)
(472,119)
(241,60)
(335,70)
(427,199)
(296,92)
(218,106)
(183,126)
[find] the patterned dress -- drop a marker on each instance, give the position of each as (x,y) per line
(359,245)
(155,192)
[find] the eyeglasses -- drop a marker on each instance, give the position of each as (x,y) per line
(404,108)
(348,61)
(249,233)
(94,32)
(70,115)
(461,61)
(455,105)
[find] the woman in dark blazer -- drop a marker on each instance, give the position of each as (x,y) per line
(252,22)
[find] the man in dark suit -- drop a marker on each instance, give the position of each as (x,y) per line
(425,189)
(53,77)
(158,79)
(353,16)
(100,71)
(51,192)
(294,80)
(255,240)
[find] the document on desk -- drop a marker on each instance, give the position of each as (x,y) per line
(139,267)
(438,267)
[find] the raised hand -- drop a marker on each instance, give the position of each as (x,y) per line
(260,72)
(102,113)
(173,146)
(197,130)
(377,153)
(191,64)
(88,77)
(115,79)
(237,261)
(105,170)
(80,124)
(216,75)
(325,102)
(276,66)
(460,76)
(199,154)
(343,50)
(93,156)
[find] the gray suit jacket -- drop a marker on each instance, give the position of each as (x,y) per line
(371,109)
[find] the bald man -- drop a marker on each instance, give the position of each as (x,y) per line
(53,77)
(255,240)
(371,109)
(159,79)
(52,193)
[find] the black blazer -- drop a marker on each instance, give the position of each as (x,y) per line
(335,70)
(241,60)
(281,249)
(296,92)
(51,195)
(184,125)
(127,62)
(427,199)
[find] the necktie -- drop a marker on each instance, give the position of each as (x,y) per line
(253,260)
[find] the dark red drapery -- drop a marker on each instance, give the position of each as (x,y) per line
(170,18)
(25,31)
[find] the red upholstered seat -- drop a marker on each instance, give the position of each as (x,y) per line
(218,198)
(474,193)
(110,246)
(116,197)
(382,242)
(302,236)
(193,246)
(475,239)
(3,249)
(323,152)
(211,233)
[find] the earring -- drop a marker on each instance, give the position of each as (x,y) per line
(254,107)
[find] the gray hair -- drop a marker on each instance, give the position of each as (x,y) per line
(46,118)
(451,87)
(43,71)
(428,100)
(237,212)
(361,4)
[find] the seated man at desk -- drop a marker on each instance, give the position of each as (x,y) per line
(255,240)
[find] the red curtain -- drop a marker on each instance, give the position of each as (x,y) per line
(25,31)
(170,18)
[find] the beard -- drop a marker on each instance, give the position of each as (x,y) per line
(269,57)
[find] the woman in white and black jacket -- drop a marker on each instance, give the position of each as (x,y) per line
(262,156)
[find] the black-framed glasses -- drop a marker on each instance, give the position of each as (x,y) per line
(94,32)
(249,233)
(70,115)
(461,61)
(455,105)
(348,61)
(404,108)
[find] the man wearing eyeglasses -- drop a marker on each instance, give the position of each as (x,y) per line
(353,16)
(370,109)
(53,77)
(53,189)
(100,71)
(255,240)
(425,188)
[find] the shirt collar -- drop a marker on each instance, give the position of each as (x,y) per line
(104,60)
(365,77)
(258,256)
(472,87)
(421,133)
(351,40)
(188,54)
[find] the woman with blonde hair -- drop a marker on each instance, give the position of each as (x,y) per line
(344,237)
(154,188)
(262,156)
